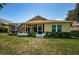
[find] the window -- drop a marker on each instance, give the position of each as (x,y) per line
(56,28)
(53,28)
(40,28)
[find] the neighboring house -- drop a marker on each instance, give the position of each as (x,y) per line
(41,25)
(3,25)
(75,26)
(4,22)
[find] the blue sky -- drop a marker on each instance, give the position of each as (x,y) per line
(20,12)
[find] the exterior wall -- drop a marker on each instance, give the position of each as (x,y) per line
(76,28)
(65,27)
(47,28)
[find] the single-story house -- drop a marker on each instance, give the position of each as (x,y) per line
(41,25)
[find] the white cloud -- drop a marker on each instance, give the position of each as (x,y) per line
(59,19)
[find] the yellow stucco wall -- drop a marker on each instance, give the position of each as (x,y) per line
(65,27)
(77,27)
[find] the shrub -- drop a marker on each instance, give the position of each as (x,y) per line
(75,34)
(66,34)
(59,34)
(52,34)
(31,34)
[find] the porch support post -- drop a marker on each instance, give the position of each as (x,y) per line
(8,28)
(15,28)
(25,27)
(37,29)
(31,28)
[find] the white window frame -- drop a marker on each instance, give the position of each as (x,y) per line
(56,28)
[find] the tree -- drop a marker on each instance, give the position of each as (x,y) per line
(2,5)
(73,14)
(70,15)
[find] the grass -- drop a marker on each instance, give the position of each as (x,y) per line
(13,45)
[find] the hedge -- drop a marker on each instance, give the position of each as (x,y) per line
(31,34)
(62,35)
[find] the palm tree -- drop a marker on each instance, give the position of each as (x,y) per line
(2,5)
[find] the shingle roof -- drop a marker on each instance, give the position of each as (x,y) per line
(3,21)
(36,18)
(45,21)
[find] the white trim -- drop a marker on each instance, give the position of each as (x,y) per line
(8,28)
(56,28)
(30,28)
(37,29)
(25,28)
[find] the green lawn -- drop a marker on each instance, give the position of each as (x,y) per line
(12,45)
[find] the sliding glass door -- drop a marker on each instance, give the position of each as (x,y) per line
(40,28)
